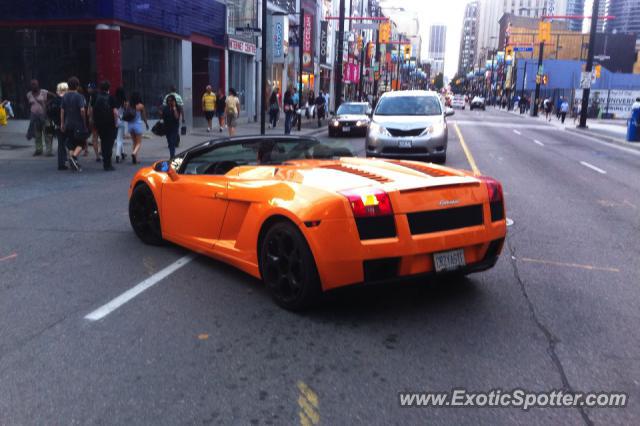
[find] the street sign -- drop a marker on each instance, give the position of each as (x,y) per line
(585,80)
(364,26)
(602,57)
(523,49)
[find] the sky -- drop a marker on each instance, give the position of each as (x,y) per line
(429,12)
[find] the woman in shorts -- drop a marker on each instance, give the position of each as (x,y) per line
(232,109)
(135,127)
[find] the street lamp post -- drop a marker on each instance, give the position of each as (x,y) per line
(338,69)
(263,68)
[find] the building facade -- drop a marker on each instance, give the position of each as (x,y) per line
(143,47)
(627,17)
(576,8)
(469,38)
(491,11)
(437,46)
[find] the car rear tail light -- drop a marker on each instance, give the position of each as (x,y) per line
(493,187)
(496,199)
(369,202)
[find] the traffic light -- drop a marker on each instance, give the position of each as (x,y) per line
(544,32)
(538,79)
(384,32)
(598,70)
(371,50)
(545,79)
(359,42)
(509,51)
(407,51)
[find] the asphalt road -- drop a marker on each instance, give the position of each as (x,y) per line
(207,346)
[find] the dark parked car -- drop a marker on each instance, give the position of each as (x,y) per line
(351,118)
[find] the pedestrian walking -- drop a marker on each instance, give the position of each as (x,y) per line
(172,91)
(320,108)
(220,107)
(135,125)
(3,114)
(232,110)
(92,95)
(73,122)
(105,120)
(547,105)
(564,109)
(122,103)
(208,106)
(171,117)
(296,102)
(274,108)
(559,107)
(53,113)
(37,99)
(289,111)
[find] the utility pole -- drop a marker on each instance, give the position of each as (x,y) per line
(338,68)
(589,67)
(377,59)
(300,59)
(263,70)
(538,78)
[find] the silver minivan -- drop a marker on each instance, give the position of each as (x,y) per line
(409,125)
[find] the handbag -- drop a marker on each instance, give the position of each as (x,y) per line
(158,129)
(183,130)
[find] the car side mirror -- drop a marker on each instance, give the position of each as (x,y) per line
(449,112)
(166,167)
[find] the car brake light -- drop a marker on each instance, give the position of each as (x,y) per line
(493,187)
(368,202)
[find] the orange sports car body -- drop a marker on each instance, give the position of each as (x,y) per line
(295,213)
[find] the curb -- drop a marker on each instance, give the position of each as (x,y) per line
(607,139)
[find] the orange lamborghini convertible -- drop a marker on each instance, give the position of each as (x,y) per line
(307,218)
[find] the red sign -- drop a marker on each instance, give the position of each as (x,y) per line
(242,46)
(350,73)
(307,45)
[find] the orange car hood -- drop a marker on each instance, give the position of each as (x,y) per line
(350,172)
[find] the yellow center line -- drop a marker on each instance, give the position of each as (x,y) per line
(571,265)
(308,401)
(465,148)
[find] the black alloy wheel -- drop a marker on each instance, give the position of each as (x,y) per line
(288,268)
(144,215)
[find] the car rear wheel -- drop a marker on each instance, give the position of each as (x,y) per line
(144,216)
(288,268)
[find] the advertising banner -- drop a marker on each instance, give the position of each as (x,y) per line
(280,41)
(324,29)
(307,42)
(619,101)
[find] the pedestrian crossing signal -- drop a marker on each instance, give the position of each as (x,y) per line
(407,51)
(545,79)
(598,70)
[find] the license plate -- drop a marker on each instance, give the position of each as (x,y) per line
(405,144)
(448,260)
(346,129)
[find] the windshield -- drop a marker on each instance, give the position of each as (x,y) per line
(352,109)
(223,157)
(409,105)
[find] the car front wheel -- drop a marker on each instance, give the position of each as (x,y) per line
(288,268)
(144,215)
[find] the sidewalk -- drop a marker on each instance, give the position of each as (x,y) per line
(14,145)
(611,131)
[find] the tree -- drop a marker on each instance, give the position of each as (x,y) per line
(439,83)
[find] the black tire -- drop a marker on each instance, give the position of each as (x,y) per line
(144,216)
(288,268)
(440,159)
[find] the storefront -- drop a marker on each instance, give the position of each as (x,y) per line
(242,73)
(145,50)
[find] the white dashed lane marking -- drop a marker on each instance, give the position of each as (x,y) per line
(106,309)
(536,141)
(516,132)
(592,167)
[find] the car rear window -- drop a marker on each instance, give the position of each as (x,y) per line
(409,105)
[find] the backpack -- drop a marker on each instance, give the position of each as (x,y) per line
(102,114)
(53,109)
(129,114)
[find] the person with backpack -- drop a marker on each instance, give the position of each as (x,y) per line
(53,112)
(320,107)
(105,120)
